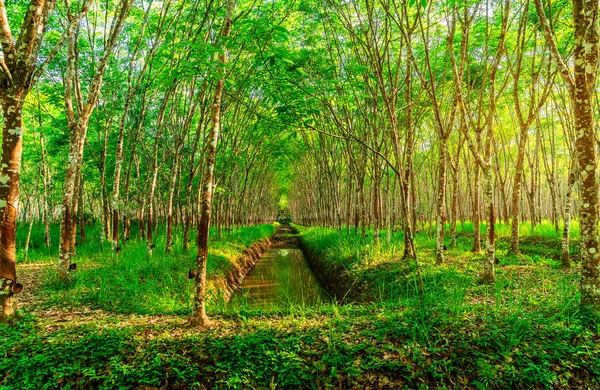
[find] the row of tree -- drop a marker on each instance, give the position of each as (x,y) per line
(136,113)
(431,114)
(367,113)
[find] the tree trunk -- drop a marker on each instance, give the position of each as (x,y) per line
(45,182)
(169,244)
(565,256)
(81,218)
(585,15)
(375,200)
(441,200)
(78,126)
(199,317)
(19,73)
(141,225)
(454,206)
(28,239)
(105,207)
(489,274)
(155,166)
(476,207)
(12,147)
(409,202)
(70,198)
(516,192)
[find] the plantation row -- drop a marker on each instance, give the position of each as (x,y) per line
(374,115)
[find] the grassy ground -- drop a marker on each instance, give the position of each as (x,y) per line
(134,283)
(379,272)
(123,325)
(523,331)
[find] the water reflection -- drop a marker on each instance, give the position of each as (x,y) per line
(281,278)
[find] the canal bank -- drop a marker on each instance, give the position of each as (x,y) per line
(339,282)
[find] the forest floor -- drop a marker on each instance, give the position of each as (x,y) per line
(123,324)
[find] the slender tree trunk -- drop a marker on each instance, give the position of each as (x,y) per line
(45,182)
(76,206)
(409,201)
(199,317)
(81,210)
(375,200)
(441,200)
(115,195)
(454,206)
(489,274)
(78,126)
(476,208)
(169,244)
(357,202)
(28,239)
(154,175)
(186,229)
(105,207)
(141,225)
(150,217)
(565,256)
(516,191)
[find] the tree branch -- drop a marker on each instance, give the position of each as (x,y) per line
(551,42)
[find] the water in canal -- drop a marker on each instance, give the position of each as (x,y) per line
(281,278)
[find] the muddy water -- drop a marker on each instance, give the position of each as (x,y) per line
(281,278)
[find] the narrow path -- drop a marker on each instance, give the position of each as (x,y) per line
(32,276)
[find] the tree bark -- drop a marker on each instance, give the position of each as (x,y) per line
(476,208)
(516,191)
(565,255)
(441,200)
(173,184)
(12,147)
(585,15)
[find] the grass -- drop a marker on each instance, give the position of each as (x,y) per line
(136,283)
(544,229)
(380,268)
(524,331)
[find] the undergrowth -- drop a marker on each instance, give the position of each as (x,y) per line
(524,331)
(139,283)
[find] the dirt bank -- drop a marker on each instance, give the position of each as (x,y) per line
(337,280)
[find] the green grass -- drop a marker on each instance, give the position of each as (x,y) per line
(524,331)
(376,345)
(545,229)
(380,268)
(137,283)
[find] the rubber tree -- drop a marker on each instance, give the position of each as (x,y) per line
(533,103)
(443,116)
(199,317)
(78,116)
(581,81)
(483,123)
(19,70)
(136,86)
(160,126)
